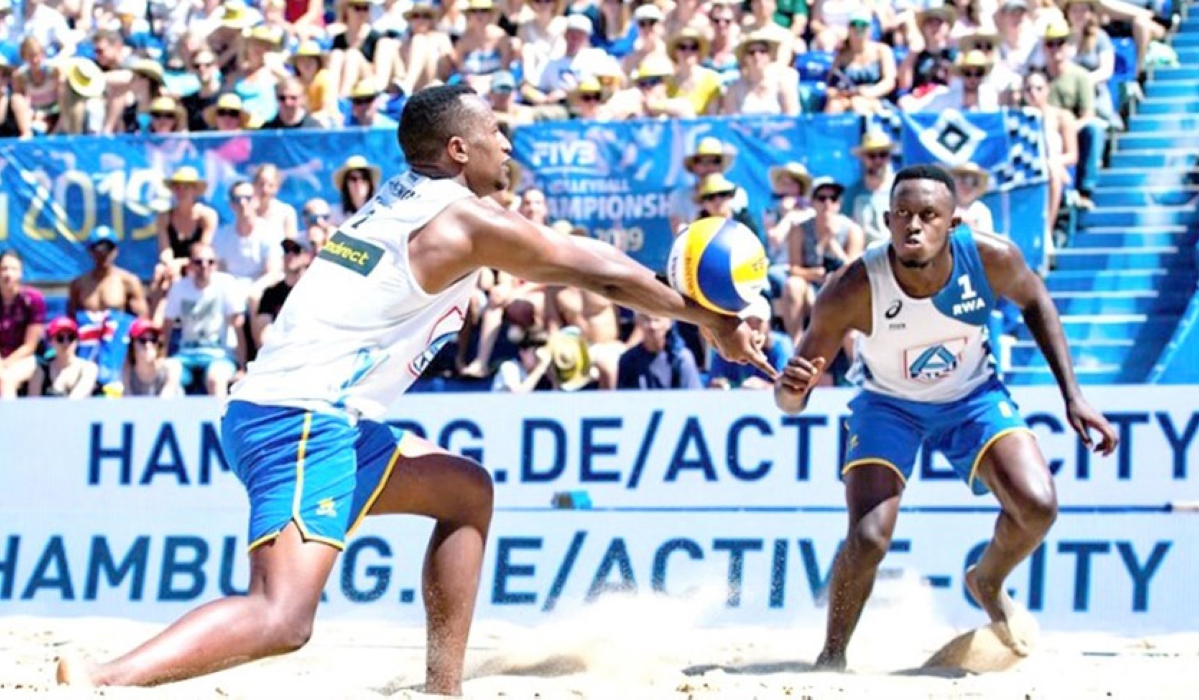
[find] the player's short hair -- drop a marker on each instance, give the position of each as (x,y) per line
(431,116)
(927,171)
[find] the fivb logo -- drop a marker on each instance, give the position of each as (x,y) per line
(566,154)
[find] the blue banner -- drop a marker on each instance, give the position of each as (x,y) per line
(618,180)
(57,190)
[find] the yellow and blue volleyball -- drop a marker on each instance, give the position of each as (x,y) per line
(719,263)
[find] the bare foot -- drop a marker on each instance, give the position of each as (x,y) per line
(828,661)
(74,670)
(475,370)
(1014,626)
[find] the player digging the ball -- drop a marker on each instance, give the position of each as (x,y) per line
(928,379)
(302,430)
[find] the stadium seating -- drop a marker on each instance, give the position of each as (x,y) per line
(1130,273)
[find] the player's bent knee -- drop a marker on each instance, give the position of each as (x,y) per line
(1038,510)
(287,630)
(477,494)
(869,541)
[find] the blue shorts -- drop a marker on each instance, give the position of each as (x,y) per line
(199,360)
(314,469)
(889,431)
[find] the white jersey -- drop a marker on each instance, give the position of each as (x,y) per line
(932,350)
(357,330)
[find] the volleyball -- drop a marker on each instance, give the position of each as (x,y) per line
(719,263)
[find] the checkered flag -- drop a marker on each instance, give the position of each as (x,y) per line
(889,123)
(1025,164)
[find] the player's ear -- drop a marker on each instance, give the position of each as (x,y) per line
(458,150)
(887,219)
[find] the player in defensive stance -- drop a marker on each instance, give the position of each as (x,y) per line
(928,379)
(302,429)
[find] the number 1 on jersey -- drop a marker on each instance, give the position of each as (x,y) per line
(967,289)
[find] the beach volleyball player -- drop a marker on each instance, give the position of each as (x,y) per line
(928,378)
(300,430)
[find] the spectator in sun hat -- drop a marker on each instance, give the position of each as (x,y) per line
(360,51)
(147,371)
(764,86)
(968,91)
(167,116)
(188,220)
(863,74)
(790,185)
(310,63)
(868,199)
(710,155)
(483,49)
(929,66)
(422,46)
(228,114)
(648,93)
(771,17)
(716,195)
(692,81)
(970,184)
(587,101)
(130,92)
(817,246)
(63,373)
(563,73)
(81,106)
(1006,81)
(364,107)
(651,39)
(356,181)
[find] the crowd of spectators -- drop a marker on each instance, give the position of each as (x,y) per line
(151,66)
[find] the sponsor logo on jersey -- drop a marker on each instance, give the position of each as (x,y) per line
(351,253)
(931,363)
(894,309)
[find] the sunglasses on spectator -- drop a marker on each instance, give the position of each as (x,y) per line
(756,49)
(859,26)
(203,262)
(231,113)
(362,101)
(544,2)
(721,20)
(877,155)
(162,115)
(827,197)
(104,247)
(1035,87)
(64,338)
(970,181)
(1055,43)
(240,198)
(646,22)
(709,160)
(715,196)
(687,46)
(590,97)
(147,340)
(985,46)
(428,16)
(973,73)
(360,8)
(357,176)
(291,248)
(650,82)
(315,218)
(288,98)
(205,64)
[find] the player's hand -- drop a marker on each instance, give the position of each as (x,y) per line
(737,342)
(1084,419)
(800,375)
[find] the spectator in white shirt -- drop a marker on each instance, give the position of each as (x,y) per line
(248,249)
(970,183)
(968,89)
(210,311)
(563,74)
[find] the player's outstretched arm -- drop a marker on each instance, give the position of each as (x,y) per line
(1012,278)
(838,309)
(507,241)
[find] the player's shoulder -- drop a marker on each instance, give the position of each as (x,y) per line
(996,252)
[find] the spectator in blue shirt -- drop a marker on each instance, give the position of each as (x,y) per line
(660,361)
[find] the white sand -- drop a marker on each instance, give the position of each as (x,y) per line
(629,649)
